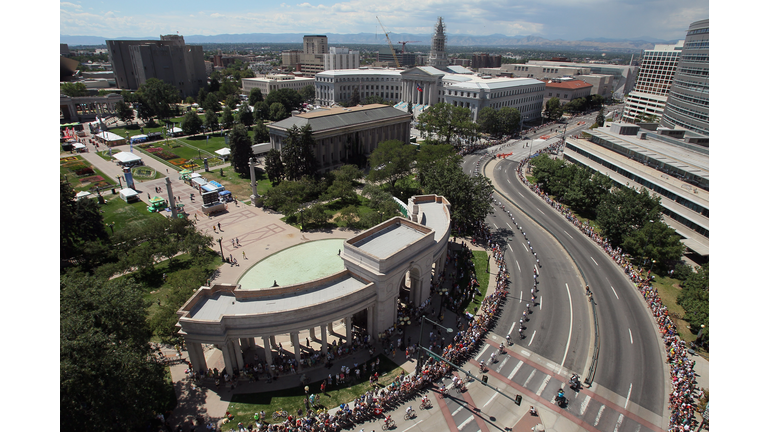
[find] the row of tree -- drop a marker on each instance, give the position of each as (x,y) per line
(626,217)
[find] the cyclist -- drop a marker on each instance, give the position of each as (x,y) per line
(424,400)
(508,341)
(409,412)
(482,365)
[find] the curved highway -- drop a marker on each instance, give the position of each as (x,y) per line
(630,359)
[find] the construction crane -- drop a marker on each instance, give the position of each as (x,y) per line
(394,54)
(403,44)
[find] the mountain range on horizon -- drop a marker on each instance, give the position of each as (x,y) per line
(335,39)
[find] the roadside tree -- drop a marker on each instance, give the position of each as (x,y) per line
(240,147)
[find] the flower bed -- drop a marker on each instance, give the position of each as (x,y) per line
(162,154)
(92,179)
(190,166)
(84,171)
(68,159)
(178,161)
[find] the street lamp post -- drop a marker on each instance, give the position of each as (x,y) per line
(221,248)
(420,359)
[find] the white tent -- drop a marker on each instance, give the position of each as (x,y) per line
(127,157)
(194,175)
(78,146)
(129,195)
(199,181)
(83,194)
(224,152)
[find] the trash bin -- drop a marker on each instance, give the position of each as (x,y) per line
(114,192)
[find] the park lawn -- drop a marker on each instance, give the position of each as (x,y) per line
(135,129)
(104,154)
(146,173)
(669,289)
(243,406)
(240,187)
(159,290)
(125,215)
(480,258)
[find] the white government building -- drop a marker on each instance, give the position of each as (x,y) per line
(427,85)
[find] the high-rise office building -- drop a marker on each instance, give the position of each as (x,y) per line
(652,84)
(688,102)
(169,60)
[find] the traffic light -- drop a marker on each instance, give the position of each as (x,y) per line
(485,379)
(518,399)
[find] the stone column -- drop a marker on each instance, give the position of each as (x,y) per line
(296,349)
(272,340)
(369,321)
(348,325)
(330,327)
(267,350)
(227,353)
(324,339)
(312,334)
(197,356)
(245,343)
(238,354)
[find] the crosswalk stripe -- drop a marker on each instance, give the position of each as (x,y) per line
(543,384)
(599,413)
(514,371)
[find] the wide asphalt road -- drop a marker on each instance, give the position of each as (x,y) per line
(630,358)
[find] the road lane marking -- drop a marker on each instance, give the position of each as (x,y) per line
(529,378)
(599,413)
(501,366)
(510,248)
(628,394)
(543,384)
(518,265)
(540,302)
(465,422)
(566,233)
(520,194)
(525,246)
(570,327)
(497,227)
(539,210)
(614,293)
(630,337)
(532,336)
(512,328)
(491,399)
(618,423)
(510,226)
(517,368)
(593,260)
(584,405)
(457,410)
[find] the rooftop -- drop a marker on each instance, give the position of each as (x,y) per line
(571,84)
(360,72)
(333,118)
(389,240)
(477,83)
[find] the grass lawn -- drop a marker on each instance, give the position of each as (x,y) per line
(243,406)
(159,291)
(146,173)
(67,168)
(669,289)
(104,154)
(124,215)
(480,258)
(135,129)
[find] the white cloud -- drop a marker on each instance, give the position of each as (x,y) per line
(70,5)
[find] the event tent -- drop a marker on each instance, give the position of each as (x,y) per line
(129,195)
(224,152)
(127,158)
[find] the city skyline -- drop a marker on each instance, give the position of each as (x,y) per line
(550,19)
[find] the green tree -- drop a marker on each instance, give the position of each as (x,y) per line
(380,201)
(655,241)
(240,147)
(231,101)
(509,120)
(245,115)
(74,89)
(488,120)
(191,123)
(694,298)
(375,99)
(227,119)
(273,165)
(211,103)
(290,99)
(391,161)
(447,123)
(80,222)
(432,154)
(123,111)
(343,182)
(261,111)
(298,153)
(553,109)
(260,132)
(277,112)
(308,94)
(211,120)
(600,119)
(625,210)
(355,99)
(202,95)
(158,96)
(469,196)
(215,85)
(189,100)
(255,96)
(109,378)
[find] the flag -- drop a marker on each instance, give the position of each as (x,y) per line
(418,87)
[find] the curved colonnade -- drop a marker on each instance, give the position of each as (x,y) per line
(388,264)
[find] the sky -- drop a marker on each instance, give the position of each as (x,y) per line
(550,19)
